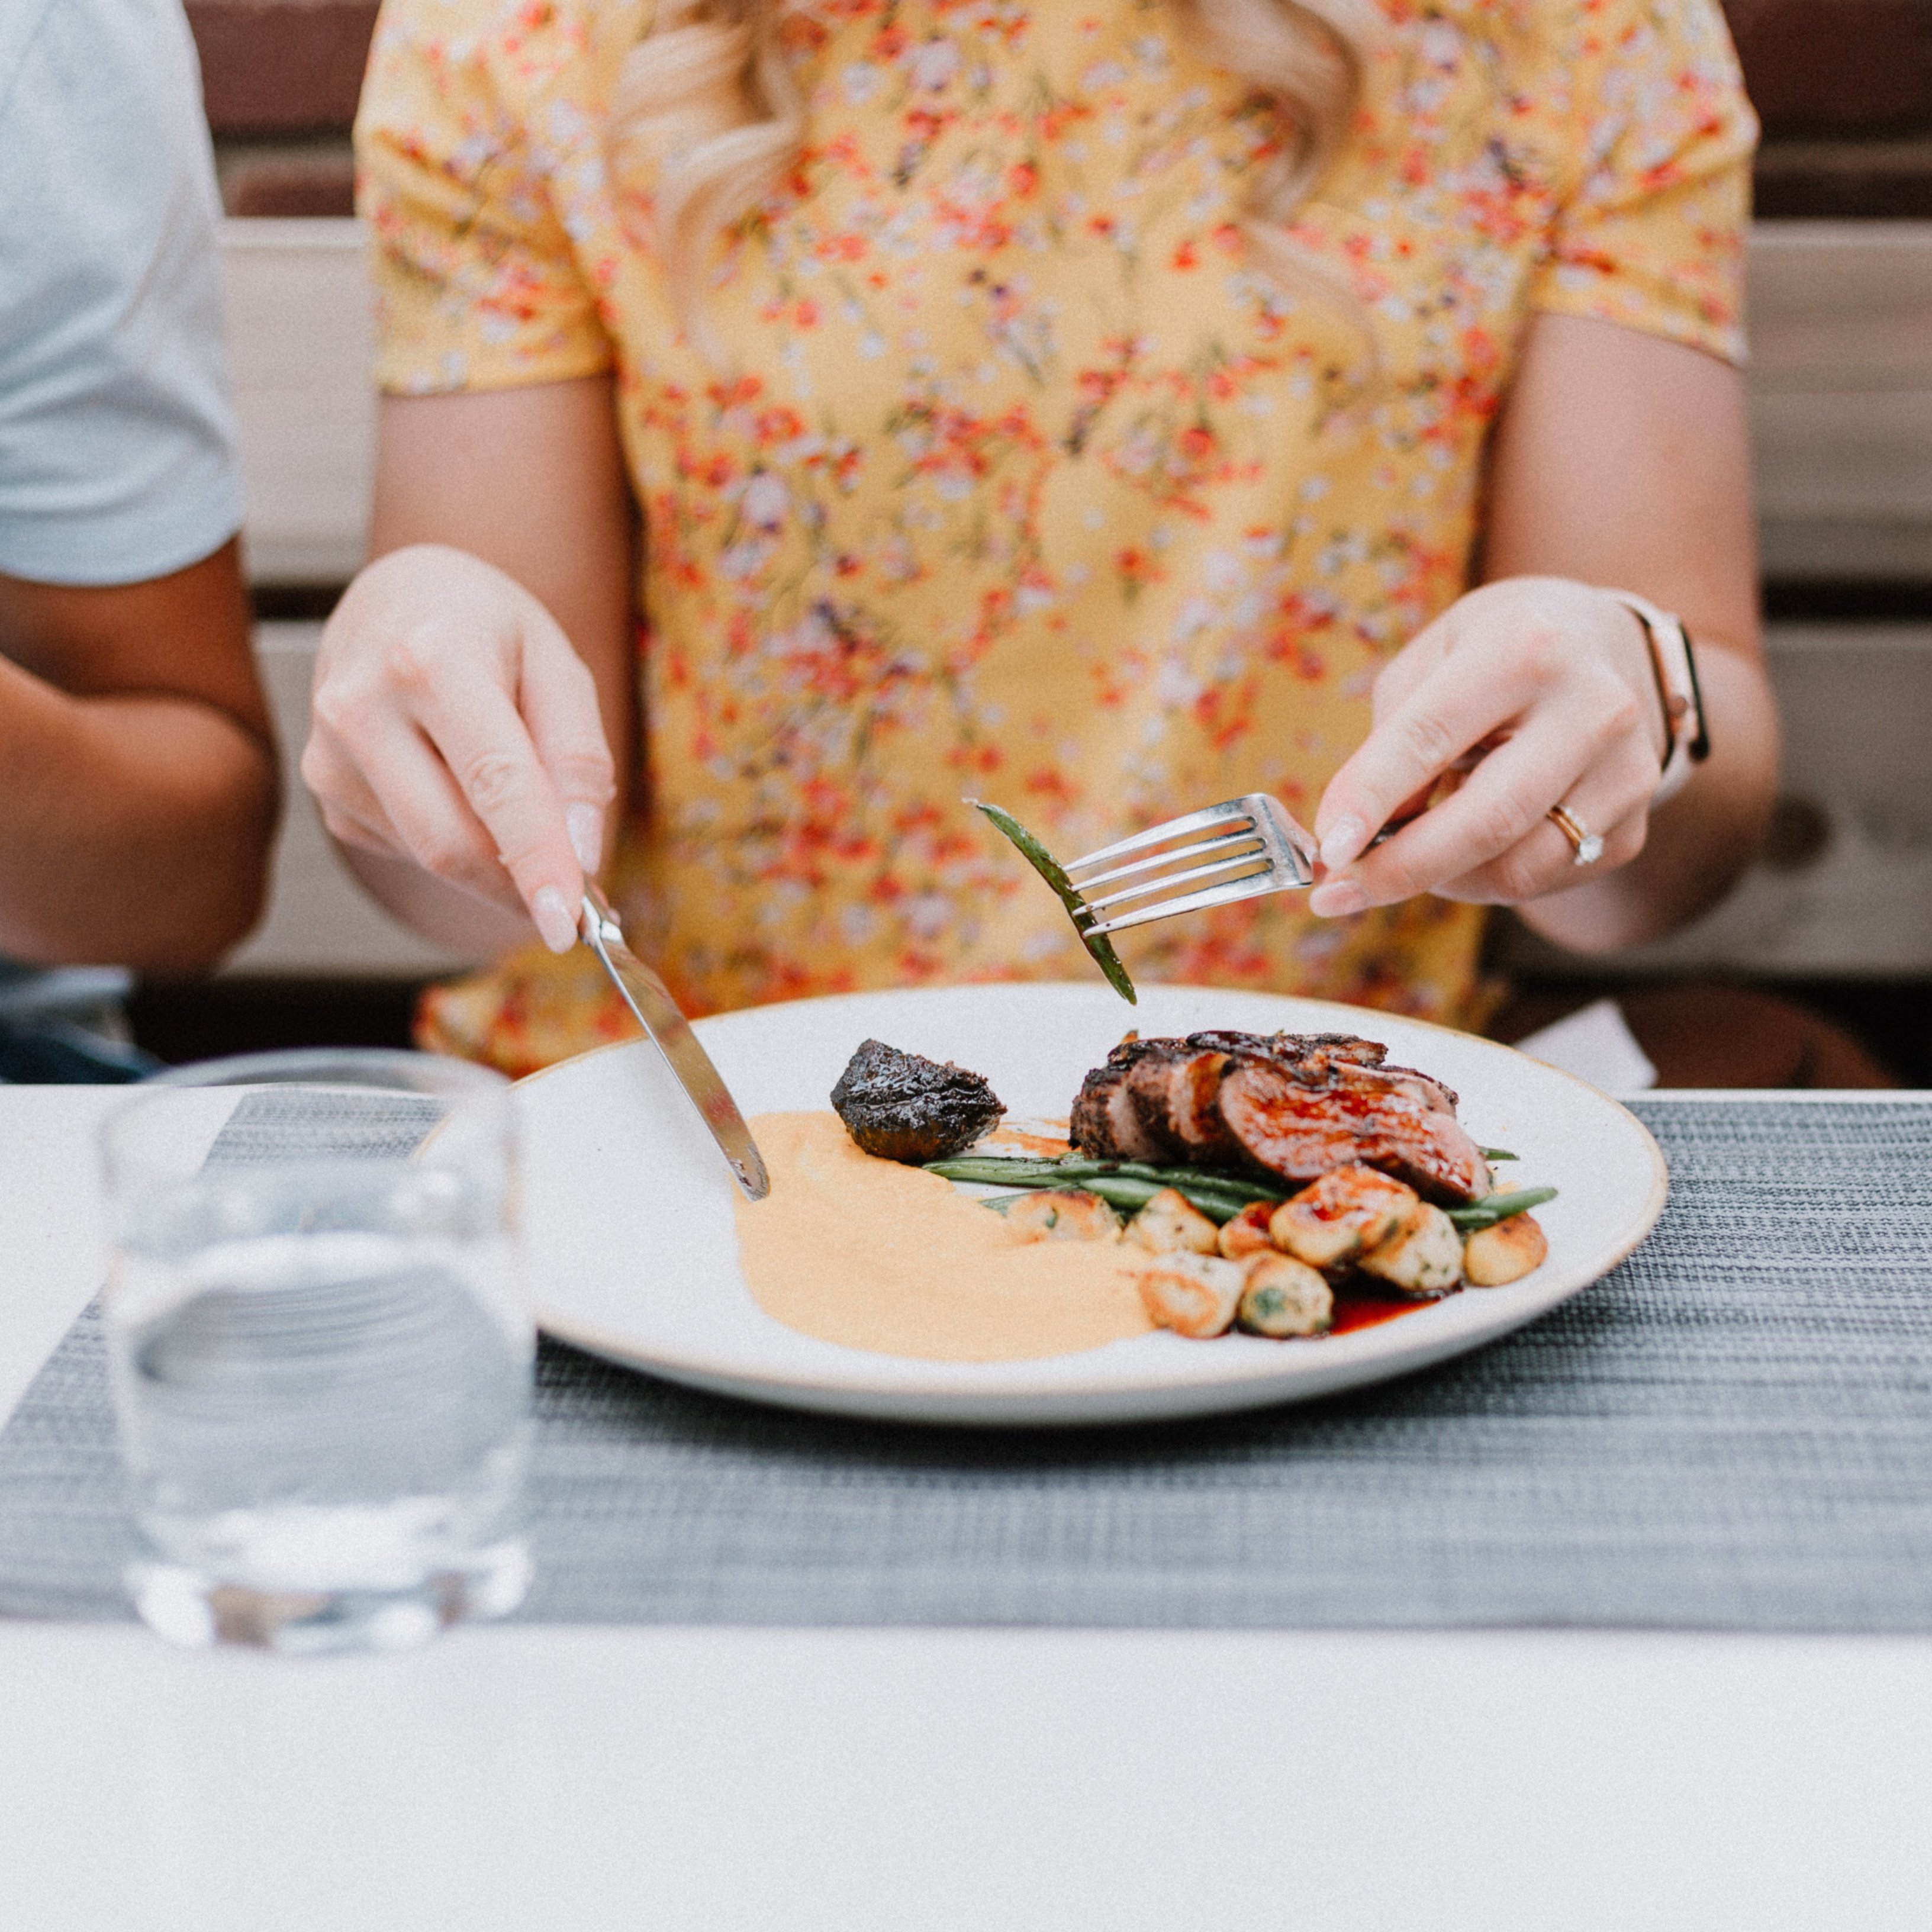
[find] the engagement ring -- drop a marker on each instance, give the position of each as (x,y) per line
(1587,846)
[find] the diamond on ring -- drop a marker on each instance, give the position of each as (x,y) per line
(1586,845)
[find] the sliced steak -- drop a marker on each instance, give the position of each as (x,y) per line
(1299,1130)
(1310,1057)
(1314,1049)
(1173,1089)
(1293,1105)
(1105,1121)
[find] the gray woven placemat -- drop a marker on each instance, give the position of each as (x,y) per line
(1732,1431)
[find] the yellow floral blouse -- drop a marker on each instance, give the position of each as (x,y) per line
(1026,483)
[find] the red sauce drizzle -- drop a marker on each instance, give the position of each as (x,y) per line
(1355,1310)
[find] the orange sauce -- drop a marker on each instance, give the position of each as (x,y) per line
(887,1258)
(1007,1140)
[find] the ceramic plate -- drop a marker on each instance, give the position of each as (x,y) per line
(628,1206)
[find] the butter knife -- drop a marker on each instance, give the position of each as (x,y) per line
(650,998)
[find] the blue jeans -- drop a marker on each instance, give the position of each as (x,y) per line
(66,1026)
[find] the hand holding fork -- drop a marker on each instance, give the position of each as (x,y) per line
(1532,698)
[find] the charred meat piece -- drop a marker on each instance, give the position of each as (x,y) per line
(1154,1100)
(1105,1121)
(902,1107)
(1292,1048)
(1292,1105)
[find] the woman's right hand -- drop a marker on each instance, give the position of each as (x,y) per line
(455,728)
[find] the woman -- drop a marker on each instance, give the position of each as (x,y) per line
(796,420)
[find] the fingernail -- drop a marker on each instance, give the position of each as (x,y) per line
(1343,844)
(1337,899)
(559,930)
(585,823)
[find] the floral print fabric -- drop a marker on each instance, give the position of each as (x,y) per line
(1017,477)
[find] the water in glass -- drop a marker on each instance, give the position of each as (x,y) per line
(322,1370)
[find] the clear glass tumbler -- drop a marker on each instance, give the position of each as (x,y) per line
(320,1354)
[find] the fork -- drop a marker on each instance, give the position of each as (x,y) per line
(1247,846)
(1253,845)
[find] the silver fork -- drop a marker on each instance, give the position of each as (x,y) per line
(1252,845)
(1248,846)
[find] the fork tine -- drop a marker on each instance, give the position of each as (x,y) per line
(1249,840)
(1224,894)
(1193,872)
(1211,816)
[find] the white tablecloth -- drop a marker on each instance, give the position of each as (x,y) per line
(920,1781)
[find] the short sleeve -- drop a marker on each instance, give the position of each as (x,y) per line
(118,459)
(1651,235)
(476,284)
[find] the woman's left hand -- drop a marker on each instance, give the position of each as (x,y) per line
(1554,679)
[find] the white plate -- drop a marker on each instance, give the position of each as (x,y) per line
(633,1254)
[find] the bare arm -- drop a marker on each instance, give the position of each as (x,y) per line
(1663,507)
(1620,460)
(140,792)
(474,705)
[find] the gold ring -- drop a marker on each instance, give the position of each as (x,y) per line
(1586,845)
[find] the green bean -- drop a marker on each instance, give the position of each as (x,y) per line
(1494,1208)
(994,1170)
(1130,1196)
(1131,1184)
(1054,874)
(1236,1186)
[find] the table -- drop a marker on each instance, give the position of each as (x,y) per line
(718,1778)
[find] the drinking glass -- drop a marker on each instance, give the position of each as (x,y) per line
(320,1356)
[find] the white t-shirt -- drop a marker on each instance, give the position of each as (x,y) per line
(117,440)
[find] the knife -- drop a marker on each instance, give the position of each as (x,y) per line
(650,998)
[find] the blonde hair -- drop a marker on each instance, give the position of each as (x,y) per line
(707,117)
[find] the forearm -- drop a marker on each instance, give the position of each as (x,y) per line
(1701,842)
(135,828)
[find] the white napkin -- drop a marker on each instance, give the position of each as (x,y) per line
(1596,1045)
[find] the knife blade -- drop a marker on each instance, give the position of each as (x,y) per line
(650,998)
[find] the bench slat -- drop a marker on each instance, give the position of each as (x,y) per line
(300,347)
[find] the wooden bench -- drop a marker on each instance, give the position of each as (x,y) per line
(1841,406)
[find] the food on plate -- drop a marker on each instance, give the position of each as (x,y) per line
(1300,1158)
(874,1254)
(1289,1105)
(1050,869)
(1157,1209)
(1332,1222)
(1171,1224)
(1424,1255)
(1061,1214)
(1283,1297)
(1195,1295)
(1493,1257)
(902,1107)
(1246,1234)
